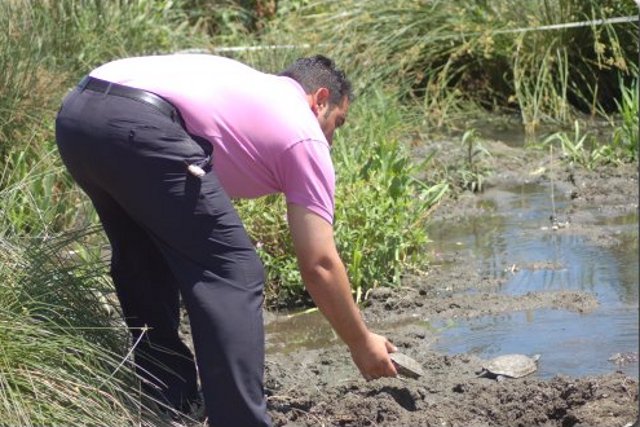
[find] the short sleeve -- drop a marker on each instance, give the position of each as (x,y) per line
(307,177)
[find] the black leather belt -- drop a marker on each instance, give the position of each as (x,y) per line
(109,88)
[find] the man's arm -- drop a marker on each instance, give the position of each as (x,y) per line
(326,280)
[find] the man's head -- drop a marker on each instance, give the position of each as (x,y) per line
(328,91)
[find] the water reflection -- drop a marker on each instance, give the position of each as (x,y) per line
(514,244)
(626,258)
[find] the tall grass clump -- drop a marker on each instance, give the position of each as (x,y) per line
(381,206)
(457,56)
(65,361)
(48,45)
(626,137)
(45,47)
(38,196)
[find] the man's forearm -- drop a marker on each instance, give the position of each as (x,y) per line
(329,287)
(326,280)
(324,274)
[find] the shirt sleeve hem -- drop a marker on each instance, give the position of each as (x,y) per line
(313,207)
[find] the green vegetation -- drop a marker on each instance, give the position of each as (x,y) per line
(416,66)
(458,58)
(575,149)
(381,206)
(583,148)
(64,359)
(472,173)
(626,137)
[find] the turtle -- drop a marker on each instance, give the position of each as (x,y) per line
(406,366)
(510,366)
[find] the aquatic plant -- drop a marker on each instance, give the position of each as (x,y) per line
(472,173)
(626,137)
(583,149)
(574,148)
(528,57)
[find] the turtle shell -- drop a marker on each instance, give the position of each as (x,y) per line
(512,365)
(406,366)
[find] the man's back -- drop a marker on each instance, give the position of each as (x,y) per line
(266,138)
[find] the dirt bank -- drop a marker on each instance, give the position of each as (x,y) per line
(316,387)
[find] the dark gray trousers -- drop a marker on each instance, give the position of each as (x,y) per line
(172,234)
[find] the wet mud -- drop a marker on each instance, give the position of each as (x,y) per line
(318,385)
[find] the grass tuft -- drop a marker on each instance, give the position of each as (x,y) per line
(457,57)
(64,358)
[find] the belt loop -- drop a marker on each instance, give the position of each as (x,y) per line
(106,92)
(83,83)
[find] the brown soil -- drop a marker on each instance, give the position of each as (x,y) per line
(321,387)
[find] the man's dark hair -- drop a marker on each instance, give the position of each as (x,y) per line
(319,71)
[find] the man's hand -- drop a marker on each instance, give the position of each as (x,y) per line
(371,356)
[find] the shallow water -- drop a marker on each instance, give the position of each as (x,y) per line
(304,330)
(515,242)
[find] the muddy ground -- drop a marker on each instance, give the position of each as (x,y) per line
(321,387)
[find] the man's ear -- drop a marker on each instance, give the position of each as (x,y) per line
(319,99)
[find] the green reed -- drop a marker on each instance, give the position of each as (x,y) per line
(45,49)
(65,359)
(456,57)
(585,149)
(626,137)
(472,173)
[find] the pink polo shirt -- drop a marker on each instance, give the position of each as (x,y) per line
(266,138)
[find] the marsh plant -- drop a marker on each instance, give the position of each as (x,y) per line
(458,58)
(65,360)
(473,172)
(582,148)
(574,148)
(626,137)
